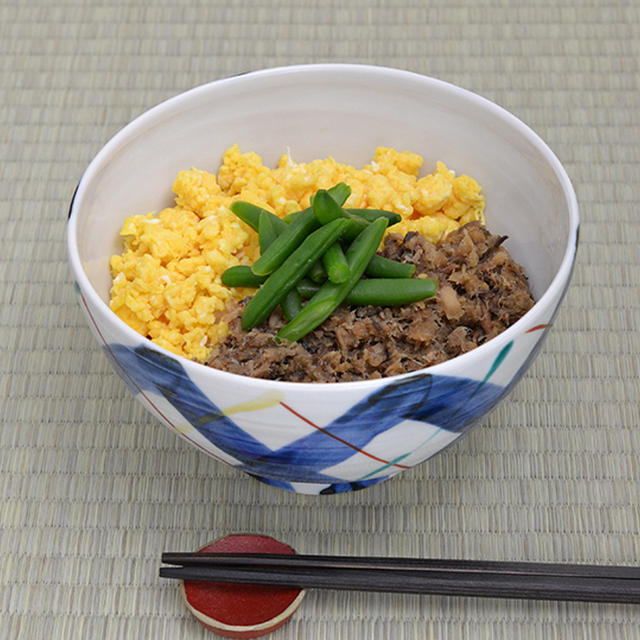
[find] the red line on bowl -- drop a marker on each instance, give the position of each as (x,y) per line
(537,328)
(348,444)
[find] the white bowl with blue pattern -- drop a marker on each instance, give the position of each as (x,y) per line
(318,437)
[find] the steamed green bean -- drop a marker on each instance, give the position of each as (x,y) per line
(330,295)
(293,268)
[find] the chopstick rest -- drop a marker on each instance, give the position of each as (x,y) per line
(241,610)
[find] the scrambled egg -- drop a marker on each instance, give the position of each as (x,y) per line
(166,282)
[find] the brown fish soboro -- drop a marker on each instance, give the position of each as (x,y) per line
(481,292)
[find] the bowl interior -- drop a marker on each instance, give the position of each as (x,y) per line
(344,111)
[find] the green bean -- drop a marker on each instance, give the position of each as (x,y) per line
(390,292)
(285,243)
(241,276)
(335,264)
(292,269)
(267,230)
(339,192)
(291,304)
(354,229)
(250,214)
(277,223)
(327,209)
(372,214)
(307,288)
(380,267)
(330,295)
(383,292)
(317,272)
(290,217)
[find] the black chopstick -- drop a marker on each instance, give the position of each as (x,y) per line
(398,564)
(408,575)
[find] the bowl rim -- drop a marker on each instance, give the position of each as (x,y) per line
(556,288)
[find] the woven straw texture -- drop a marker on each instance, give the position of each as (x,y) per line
(92,489)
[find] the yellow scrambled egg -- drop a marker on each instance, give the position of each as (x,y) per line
(166,282)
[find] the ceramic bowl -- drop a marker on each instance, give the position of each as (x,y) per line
(312,437)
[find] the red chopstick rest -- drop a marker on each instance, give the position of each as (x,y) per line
(241,610)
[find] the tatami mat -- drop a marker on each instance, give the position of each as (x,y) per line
(92,489)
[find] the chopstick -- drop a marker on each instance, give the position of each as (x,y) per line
(594,583)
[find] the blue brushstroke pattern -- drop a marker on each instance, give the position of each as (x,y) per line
(344,487)
(279,484)
(454,404)
(162,374)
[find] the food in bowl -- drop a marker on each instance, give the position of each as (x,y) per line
(315,437)
(168,283)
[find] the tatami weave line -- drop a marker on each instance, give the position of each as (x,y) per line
(93,490)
